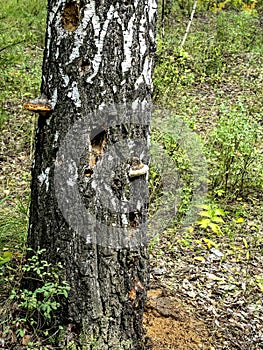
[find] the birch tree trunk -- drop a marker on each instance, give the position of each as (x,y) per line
(89,178)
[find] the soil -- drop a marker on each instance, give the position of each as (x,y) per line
(169,325)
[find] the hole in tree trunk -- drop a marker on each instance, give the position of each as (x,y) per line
(84,66)
(134,219)
(98,141)
(71,16)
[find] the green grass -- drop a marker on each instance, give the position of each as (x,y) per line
(22,31)
(13,225)
(22,22)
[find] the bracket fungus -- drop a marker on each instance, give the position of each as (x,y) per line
(39,105)
(137,168)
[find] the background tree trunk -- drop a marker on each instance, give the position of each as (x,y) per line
(89,182)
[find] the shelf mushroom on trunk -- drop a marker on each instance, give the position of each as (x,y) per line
(39,105)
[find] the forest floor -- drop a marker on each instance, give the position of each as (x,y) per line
(206,278)
(212,268)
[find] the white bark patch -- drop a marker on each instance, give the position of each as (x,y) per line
(131,144)
(52,14)
(124,219)
(65,77)
(71,182)
(99,41)
(74,94)
(89,12)
(73,174)
(54,98)
(147,70)
(146,76)
(75,52)
(127,47)
(152,35)
(139,205)
(56,136)
(138,82)
(60,35)
(135,103)
(142,41)
(44,178)
(152,8)
(102,106)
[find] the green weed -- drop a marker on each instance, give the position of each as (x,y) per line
(211,218)
(173,69)
(177,174)
(22,29)
(234,152)
(13,224)
(33,313)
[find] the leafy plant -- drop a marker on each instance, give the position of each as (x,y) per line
(35,309)
(173,68)
(177,174)
(236,5)
(42,300)
(234,151)
(211,218)
(5,257)
(240,33)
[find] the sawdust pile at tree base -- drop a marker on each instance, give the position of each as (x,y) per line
(169,326)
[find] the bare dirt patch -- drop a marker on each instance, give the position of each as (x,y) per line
(169,325)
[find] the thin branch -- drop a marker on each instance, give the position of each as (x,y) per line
(162,19)
(189,24)
(13,44)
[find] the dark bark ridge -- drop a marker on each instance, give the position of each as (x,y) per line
(98,54)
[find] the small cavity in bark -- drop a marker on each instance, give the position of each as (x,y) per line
(84,66)
(97,146)
(71,16)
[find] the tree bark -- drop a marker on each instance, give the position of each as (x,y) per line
(89,178)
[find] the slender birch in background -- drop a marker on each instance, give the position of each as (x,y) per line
(189,24)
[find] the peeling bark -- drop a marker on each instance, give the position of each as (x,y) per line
(98,62)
